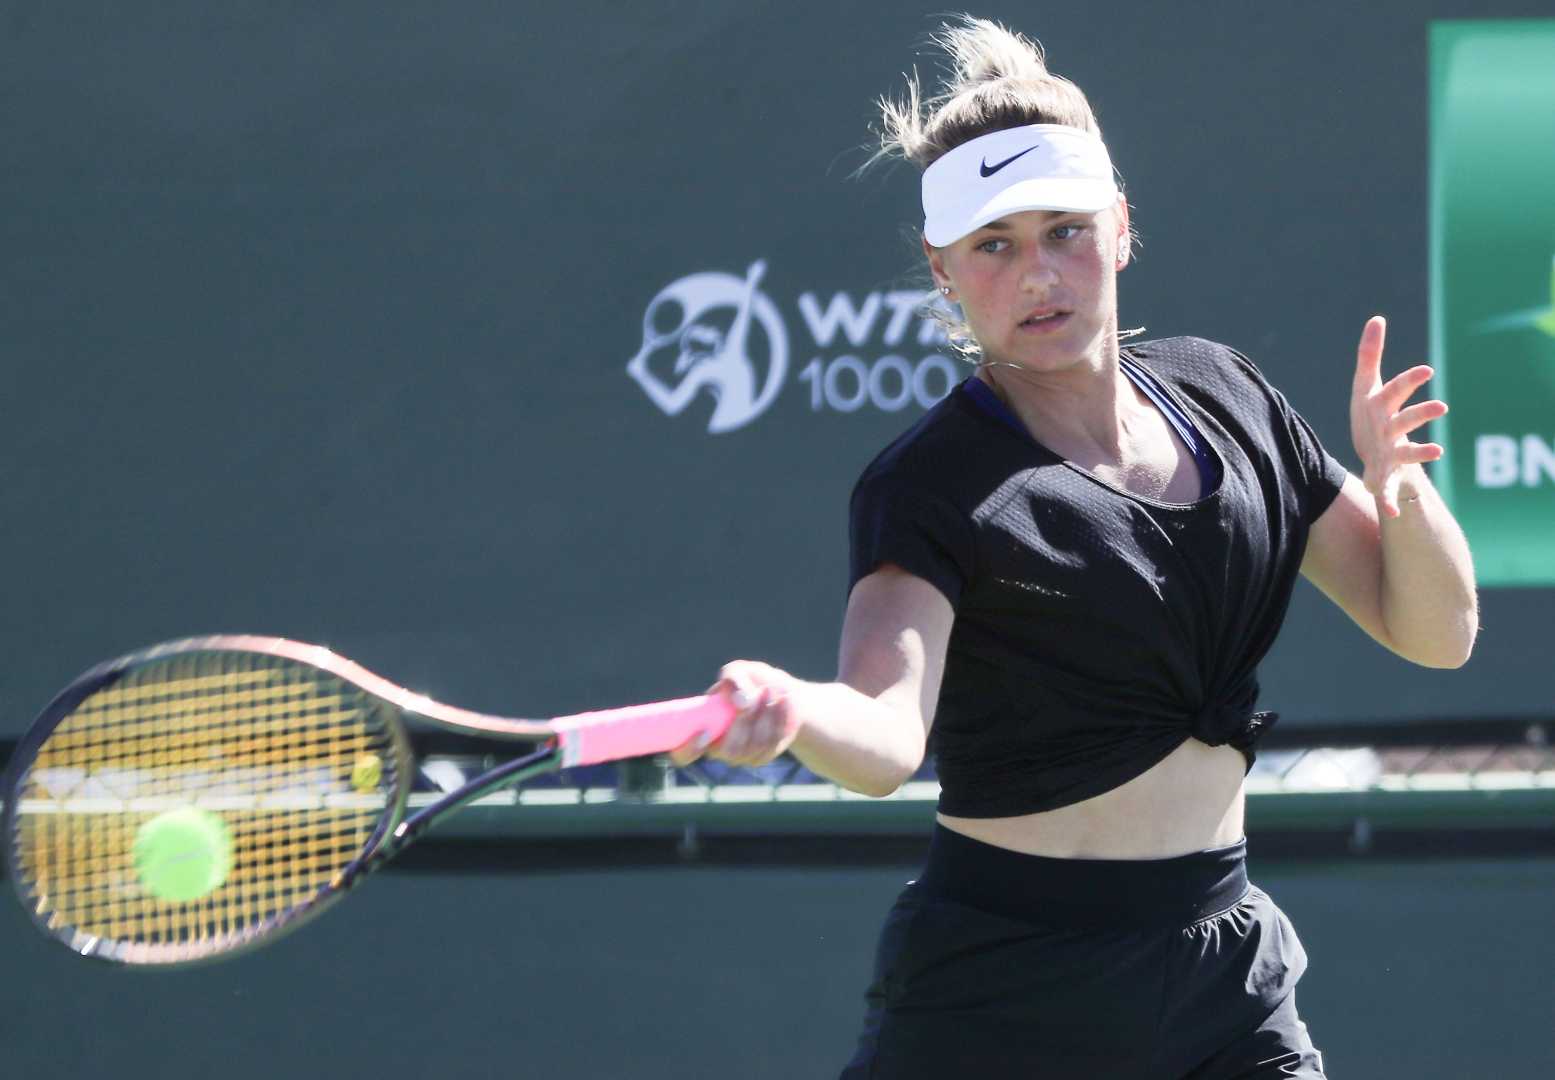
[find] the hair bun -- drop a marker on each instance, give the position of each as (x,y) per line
(994,78)
(981,51)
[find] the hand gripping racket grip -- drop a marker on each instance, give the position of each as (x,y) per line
(638,730)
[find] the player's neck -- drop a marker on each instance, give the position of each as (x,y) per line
(1084,405)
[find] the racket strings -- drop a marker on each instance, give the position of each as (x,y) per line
(295,762)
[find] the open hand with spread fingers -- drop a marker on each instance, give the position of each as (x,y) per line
(1380,423)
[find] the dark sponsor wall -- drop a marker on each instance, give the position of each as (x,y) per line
(320,323)
(1418,969)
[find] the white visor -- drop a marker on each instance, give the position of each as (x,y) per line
(1038,167)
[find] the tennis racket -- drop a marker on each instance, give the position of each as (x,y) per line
(294,760)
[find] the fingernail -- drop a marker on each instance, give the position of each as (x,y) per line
(704,740)
(743,700)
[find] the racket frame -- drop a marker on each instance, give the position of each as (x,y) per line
(391,834)
(561,742)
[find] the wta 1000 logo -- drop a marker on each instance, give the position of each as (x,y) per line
(720,333)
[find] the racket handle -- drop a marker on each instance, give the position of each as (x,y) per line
(638,730)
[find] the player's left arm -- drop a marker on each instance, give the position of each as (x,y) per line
(1388,550)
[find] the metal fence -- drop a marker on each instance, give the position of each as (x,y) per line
(1351,788)
(1459,782)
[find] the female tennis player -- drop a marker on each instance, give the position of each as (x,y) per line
(1068,570)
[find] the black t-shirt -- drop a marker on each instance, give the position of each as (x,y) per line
(1096,630)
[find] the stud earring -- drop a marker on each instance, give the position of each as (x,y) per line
(945,289)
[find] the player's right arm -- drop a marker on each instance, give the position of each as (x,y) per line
(866,730)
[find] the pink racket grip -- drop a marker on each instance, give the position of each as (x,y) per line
(638,730)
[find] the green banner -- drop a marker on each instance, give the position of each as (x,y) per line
(1493,288)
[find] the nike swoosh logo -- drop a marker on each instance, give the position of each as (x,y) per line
(989,170)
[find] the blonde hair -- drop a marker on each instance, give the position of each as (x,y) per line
(995,78)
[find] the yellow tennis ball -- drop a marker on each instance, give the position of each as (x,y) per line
(183,854)
(366,773)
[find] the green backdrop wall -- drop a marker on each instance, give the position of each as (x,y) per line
(318,322)
(321,322)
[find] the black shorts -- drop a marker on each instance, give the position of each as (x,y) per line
(995,964)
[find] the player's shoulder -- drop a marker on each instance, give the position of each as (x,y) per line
(1188,357)
(1201,366)
(930,454)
